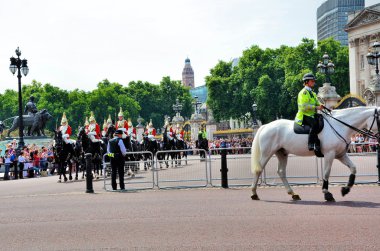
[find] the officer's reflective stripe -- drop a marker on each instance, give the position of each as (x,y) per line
(111,155)
(306,107)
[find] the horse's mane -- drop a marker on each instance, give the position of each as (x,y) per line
(340,113)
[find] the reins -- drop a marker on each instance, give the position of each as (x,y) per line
(365,132)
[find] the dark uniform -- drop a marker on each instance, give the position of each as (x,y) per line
(117,150)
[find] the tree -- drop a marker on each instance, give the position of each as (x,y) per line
(219,93)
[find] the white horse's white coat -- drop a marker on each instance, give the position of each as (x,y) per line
(279,138)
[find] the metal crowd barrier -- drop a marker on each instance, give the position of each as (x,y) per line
(195,171)
(239,166)
(299,171)
(141,179)
(190,171)
(366,171)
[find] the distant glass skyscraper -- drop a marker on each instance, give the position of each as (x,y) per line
(332,18)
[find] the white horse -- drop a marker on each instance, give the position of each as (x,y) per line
(279,138)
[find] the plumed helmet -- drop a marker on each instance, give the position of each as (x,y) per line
(121,114)
(86,123)
(150,123)
(308,76)
(109,120)
(105,125)
(92,117)
(130,123)
(64,119)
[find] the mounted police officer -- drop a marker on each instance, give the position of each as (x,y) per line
(116,151)
(308,105)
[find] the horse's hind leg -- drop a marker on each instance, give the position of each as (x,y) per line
(346,161)
(281,170)
(256,176)
(70,170)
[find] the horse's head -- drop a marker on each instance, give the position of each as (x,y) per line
(81,132)
(373,122)
(58,137)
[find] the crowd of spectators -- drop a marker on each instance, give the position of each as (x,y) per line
(32,160)
(235,144)
(360,144)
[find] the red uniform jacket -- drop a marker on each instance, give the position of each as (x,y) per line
(118,126)
(97,130)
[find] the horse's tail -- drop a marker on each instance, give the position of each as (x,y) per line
(255,153)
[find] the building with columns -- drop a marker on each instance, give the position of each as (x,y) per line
(188,74)
(363,30)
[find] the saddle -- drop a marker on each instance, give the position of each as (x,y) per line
(305,129)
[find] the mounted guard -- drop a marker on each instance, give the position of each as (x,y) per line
(65,129)
(122,124)
(150,131)
(131,130)
(93,129)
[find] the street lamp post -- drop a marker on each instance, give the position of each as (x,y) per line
(373,59)
(254,120)
(196,103)
(326,67)
(20,66)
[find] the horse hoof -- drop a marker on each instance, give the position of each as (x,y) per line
(70,178)
(329,197)
(296,197)
(345,190)
(255,197)
(76,178)
(59,181)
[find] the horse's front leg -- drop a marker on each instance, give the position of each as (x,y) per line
(351,181)
(70,169)
(326,174)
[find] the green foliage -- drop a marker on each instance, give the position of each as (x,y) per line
(139,98)
(272,78)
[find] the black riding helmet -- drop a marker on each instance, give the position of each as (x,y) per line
(308,76)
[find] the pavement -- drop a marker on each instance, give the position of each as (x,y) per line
(41,214)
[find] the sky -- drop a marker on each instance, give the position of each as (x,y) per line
(78,43)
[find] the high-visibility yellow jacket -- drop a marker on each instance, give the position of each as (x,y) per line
(307,103)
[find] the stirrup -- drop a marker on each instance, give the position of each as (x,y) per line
(311,147)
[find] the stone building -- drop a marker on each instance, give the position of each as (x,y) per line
(188,74)
(363,30)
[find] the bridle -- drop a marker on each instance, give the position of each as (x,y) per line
(365,132)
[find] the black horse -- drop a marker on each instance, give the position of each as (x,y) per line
(63,152)
(149,145)
(180,144)
(167,145)
(202,143)
(95,148)
(78,159)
